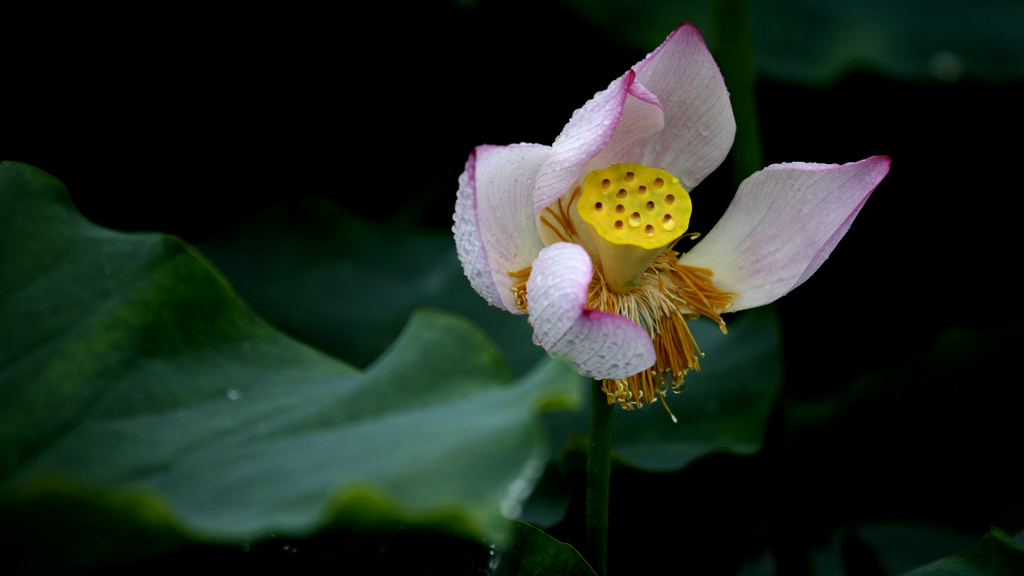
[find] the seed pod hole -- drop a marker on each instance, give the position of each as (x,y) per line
(634,219)
(620,208)
(650,205)
(621,193)
(598,206)
(649,230)
(618,224)
(670,199)
(641,189)
(629,177)
(658,182)
(606,183)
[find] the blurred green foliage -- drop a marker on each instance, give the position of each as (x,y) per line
(818,42)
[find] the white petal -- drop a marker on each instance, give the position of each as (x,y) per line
(783,223)
(494,221)
(699,124)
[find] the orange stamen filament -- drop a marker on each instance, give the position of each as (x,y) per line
(654,304)
(552,227)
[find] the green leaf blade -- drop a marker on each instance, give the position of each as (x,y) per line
(143,405)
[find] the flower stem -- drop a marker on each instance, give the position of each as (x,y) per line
(599,471)
(734,53)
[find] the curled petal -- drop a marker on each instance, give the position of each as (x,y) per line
(494,221)
(598,344)
(783,223)
(614,121)
(642,116)
(699,124)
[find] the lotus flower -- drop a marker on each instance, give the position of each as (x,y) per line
(580,234)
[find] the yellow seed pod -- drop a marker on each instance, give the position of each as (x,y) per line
(631,204)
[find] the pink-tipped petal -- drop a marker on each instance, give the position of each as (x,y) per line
(598,344)
(614,121)
(782,225)
(494,221)
(699,124)
(642,116)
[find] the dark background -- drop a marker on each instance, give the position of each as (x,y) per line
(189,123)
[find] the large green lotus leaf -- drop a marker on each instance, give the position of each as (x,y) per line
(312,268)
(143,405)
(723,408)
(994,555)
(819,42)
(549,501)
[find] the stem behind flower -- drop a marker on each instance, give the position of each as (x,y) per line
(599,468)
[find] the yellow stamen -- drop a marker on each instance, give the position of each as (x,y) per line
(519,288)
(568,231)
(667,409)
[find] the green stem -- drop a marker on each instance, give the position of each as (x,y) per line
(730,22)
(599,471)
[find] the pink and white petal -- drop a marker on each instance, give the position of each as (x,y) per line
(597,344)
(619,117)
(642,116)
(494,221)
(699,123)
(605,345)
(783,223)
